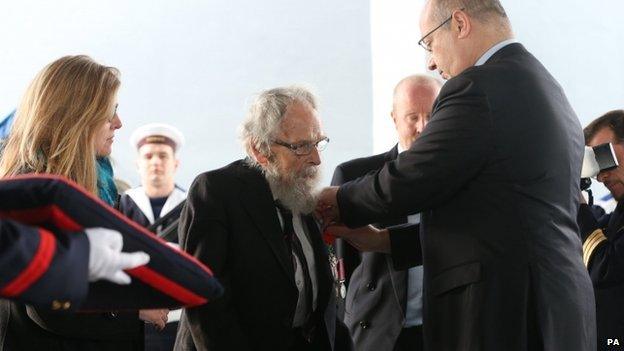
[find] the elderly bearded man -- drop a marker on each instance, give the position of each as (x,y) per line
(249,222)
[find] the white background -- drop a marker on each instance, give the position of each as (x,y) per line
(196,64)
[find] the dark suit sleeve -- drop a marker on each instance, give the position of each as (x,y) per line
(451,151)
(339,177)
(41,268)
(204,234)
(603,256)
(405,246)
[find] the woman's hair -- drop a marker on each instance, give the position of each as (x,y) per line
(57,120)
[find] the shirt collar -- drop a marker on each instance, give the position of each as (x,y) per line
(400,148)
(493,50)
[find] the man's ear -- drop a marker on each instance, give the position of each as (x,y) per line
(461,24)
(394,118)
(260,157)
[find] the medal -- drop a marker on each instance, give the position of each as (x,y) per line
(343,290)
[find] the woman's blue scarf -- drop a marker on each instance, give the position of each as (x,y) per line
(107,190)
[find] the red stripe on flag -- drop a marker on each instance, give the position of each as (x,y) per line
(62,220)
(166,286)
(39,215)
(121,217)
(35,269)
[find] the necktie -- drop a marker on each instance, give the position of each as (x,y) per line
(292,242)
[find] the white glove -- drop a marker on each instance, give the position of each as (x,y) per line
(106,261)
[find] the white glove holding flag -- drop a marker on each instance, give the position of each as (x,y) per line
(106,261)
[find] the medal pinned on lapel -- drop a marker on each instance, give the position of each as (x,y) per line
(341,278)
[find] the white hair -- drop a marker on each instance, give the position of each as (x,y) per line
(266,113)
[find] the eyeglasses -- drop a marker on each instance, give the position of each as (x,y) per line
(304,149)
(114,113)
(426,46)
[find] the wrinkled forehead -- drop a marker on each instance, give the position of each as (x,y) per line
(300,123)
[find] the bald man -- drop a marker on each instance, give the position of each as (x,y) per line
(383,307)
(496,177)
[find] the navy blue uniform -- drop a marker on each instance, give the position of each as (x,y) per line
(602,253)
(39,267)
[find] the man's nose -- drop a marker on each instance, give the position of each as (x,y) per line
(315,157)
(431,65)
(420,125)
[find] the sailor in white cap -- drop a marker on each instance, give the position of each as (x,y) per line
(157,203)
(153,202)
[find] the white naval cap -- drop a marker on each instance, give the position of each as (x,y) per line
(157,133)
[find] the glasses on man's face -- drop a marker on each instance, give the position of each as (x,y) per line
(427,46)
(304,149)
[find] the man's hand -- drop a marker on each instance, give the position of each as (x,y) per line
(367,238)
(106,261)
(327,209)
(156,317)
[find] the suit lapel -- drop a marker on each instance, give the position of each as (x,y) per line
(321,259)
(398,285)
(392,154)
(258,202)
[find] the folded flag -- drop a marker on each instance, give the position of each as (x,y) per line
(171,279)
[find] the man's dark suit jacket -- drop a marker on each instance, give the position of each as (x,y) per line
(377,293)
(230,222)
(603,250)
(495,176)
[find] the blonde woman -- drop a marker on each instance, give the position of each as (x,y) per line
(66,125)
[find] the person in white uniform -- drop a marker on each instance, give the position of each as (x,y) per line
(157,203)
(158,198)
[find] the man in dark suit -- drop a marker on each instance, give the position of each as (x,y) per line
(250,222)
(383,307)
(495,176)
(603,239)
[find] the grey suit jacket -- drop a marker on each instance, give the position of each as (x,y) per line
(376,297)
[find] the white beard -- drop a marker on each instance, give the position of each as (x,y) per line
(297,192)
